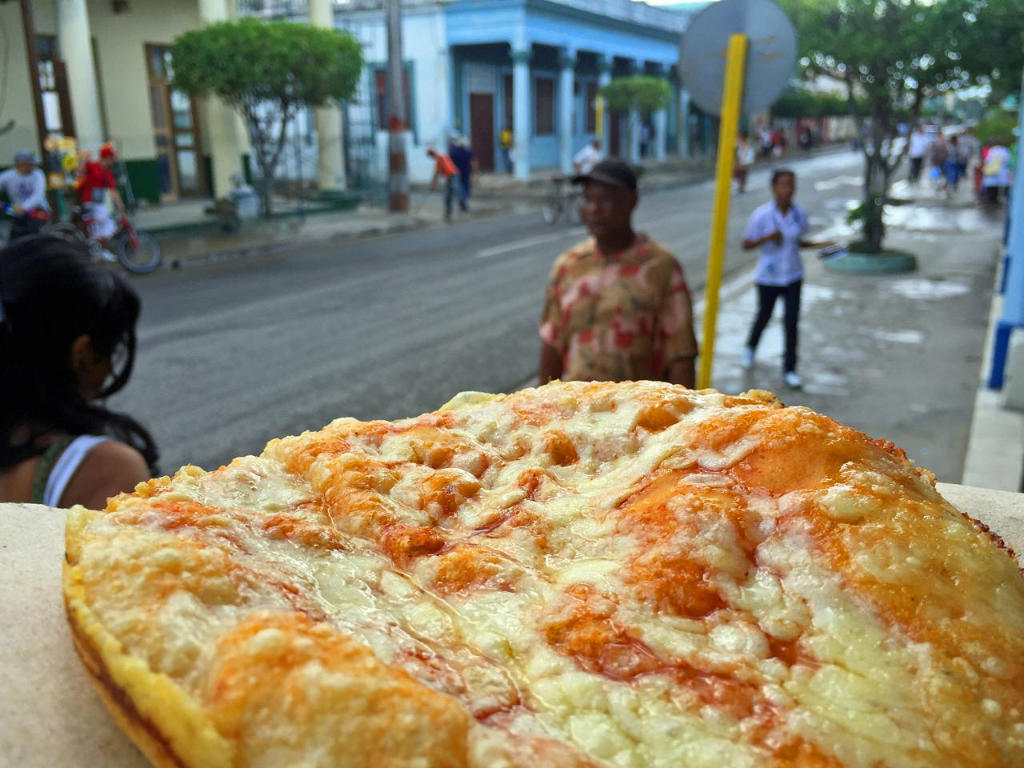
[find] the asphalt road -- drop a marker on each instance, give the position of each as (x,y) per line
(235,353)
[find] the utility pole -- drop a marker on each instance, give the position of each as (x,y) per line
(397,117)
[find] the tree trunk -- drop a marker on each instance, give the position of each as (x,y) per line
(876,184)
(266,182)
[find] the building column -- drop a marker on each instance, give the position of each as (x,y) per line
(75,37)
(330,141)
(683,121)
(604,76)
(634,123)
(222,133)
(522,90)
(660,120)
(566,99)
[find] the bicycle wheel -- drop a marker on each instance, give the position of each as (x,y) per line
(140,256)
(552,210)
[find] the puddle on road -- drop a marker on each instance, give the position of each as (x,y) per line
(927,290)
(908,336)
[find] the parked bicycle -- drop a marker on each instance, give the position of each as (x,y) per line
(136,251)
(562,201)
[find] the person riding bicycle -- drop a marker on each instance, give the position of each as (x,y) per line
(97,180)
(67,339)
(25,186)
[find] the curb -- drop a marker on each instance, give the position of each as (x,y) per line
(260,249)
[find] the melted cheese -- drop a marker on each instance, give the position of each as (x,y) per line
(582,574)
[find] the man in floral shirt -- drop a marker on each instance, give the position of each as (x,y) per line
(617,307)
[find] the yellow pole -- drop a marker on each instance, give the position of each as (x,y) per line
(732,96)
(599,118)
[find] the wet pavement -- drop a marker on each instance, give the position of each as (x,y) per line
(896,356)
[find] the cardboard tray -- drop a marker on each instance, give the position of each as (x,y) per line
(49,713)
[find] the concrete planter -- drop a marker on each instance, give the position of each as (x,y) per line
(883,263)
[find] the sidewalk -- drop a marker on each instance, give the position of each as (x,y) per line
(898,356)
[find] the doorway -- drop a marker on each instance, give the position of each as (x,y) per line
(175,130)
(481,122)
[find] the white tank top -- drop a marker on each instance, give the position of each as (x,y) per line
(66,466)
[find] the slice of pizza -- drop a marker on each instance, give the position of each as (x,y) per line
(584,574)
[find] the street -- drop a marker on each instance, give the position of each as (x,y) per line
(235,353)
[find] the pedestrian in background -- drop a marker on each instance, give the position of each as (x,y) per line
(617,307)
(995,182)
(445,169)
(919,142)
(67,341)
(778,228)
(24,186)
(953,168)
(507,141)
(462,156)
(585,160)
(744,159)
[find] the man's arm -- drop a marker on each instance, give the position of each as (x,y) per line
(682,371)
(750,244)
(115,198)
(550,363)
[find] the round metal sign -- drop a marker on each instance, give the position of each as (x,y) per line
(771,53)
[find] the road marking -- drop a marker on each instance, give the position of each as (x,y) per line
(529,242)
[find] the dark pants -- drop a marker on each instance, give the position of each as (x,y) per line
(25,225)
(915,168)
(767,294)
(453,190)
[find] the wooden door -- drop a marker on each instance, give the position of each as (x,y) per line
(481,122)
(175,130)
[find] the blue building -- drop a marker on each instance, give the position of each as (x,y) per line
(533,67)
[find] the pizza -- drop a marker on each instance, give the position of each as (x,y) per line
(582,574)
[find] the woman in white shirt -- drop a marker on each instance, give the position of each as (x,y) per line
(67,341)
(778,229)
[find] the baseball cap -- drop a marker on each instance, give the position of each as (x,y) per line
(107,150)
(615,173)
(25,156)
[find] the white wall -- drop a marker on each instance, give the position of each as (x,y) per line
(423,40)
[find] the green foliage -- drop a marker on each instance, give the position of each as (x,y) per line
(997,126)
(640,92)
(800,102)
(895,53)
(267,71)
(249,62)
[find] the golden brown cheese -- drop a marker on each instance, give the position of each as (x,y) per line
(584,574)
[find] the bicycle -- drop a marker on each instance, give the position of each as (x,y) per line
(138,252)
(562,200)
(40,217)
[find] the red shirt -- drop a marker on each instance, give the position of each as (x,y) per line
(443,166)
(96,179)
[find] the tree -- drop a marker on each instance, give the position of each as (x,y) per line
(891,55)
(267,71)
(637,94)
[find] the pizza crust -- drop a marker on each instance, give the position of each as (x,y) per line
(578,575)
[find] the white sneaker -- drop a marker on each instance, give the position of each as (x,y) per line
(793,380)
(748,358)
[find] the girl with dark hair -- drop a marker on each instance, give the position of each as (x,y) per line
(67,341)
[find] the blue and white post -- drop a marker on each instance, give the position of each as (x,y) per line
(1013,298)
